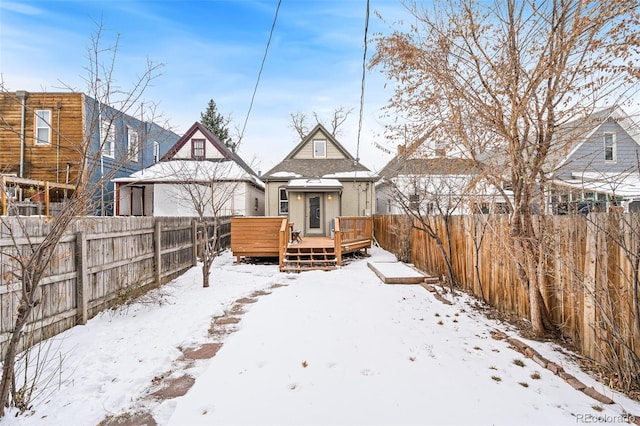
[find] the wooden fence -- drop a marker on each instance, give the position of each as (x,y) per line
(99,263)
(590,263)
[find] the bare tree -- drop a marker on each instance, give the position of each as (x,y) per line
(208,189)
(29,268)
(299,121)
(513,71)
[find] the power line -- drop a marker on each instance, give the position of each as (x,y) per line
(364,70)
(264,59)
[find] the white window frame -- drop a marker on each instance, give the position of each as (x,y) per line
(156,151)
(133,144)
(107,138)
(612,145)
(283,201)
(317,143)
(42,120)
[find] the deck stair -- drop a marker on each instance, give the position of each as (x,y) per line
(309,258)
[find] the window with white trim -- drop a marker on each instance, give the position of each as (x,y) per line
(197,149)
(283,201)
(319,148)
(156,151)
(610,147)
(107,138)
(133,147)
(43,129)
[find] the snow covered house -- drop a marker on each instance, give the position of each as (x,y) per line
(316,182)
(199,174)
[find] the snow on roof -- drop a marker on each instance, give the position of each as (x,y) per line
(314,183)
(286,175)
(352,174)
(192,171)
(619,184)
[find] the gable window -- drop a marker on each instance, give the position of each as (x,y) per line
(319,148)
(283,201)
(610,147)
(108,138)
(197,149)
(156,151)
(132,144)
(43,130)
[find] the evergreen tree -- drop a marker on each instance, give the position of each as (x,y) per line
(216,123)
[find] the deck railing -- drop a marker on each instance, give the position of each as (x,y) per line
(352,233)
(284,239)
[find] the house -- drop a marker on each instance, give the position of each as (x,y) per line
(599,165)
(316,182)
(199,175)
(435,182)
(54,141)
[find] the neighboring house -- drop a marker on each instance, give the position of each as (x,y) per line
(199,174)
(72,138)
(317,181)
(599,165)
(434,186)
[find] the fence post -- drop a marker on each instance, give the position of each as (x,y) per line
(194,242)
(589,291)
(157,244)
(82,292)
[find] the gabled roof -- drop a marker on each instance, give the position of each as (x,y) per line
(347,167)
(311,134)
(190,171)
(221,147)
(569,137)
(439,166)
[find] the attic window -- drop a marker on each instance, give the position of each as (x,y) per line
(610,147)
(197,149)
(319,148)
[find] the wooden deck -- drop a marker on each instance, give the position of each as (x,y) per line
(257,237)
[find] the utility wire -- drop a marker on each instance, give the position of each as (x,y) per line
(364,70)
(264,59)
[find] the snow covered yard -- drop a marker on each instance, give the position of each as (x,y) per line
(336,347)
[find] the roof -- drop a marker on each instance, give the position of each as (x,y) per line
(570,136)
(316,184)
(342,168)
(190,171)
(620,184)
(221,147)
(407,165)
(316,168)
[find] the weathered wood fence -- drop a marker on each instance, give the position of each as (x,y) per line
(99,263)
(591,271)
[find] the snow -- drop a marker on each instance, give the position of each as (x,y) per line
(396,269)
(352,175)
(337,347)
(314,183)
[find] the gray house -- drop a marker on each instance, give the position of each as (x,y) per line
(596,164)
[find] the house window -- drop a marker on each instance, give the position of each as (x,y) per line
(132,144)
(609,147)
(283,201)
(197,149)
(107,134)
(319,148)
(43,129)
(156,151)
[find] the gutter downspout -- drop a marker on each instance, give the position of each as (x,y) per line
(22,95)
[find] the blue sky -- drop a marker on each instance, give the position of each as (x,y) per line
(213,49)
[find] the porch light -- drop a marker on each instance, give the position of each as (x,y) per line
(329,197)
(299,197)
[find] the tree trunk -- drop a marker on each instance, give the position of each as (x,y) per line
(9,359)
